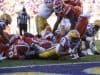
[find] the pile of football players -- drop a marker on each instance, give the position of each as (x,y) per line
(73,38)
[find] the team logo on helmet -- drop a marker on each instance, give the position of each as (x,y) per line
(74,35)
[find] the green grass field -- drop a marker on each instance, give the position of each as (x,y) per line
(24,62)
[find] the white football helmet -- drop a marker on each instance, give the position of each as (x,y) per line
(57,6)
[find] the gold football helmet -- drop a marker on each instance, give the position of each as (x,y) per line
(74,35)
(97,23)
(6,18)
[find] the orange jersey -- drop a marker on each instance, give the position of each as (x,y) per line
(17,49)
(73,2)
(69,8)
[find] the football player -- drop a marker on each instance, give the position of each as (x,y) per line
(68,45)
(55,38)
(89,36)
(5,19)
(63,10)
(17,48)
(43,15)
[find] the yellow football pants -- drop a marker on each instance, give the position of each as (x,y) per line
(48,53)
(41,23)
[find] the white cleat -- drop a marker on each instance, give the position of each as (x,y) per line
(89,52)
(75,56)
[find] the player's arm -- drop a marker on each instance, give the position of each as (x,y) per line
(60,48)
(71,17)
(57,23)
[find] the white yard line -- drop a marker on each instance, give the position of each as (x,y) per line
(48,65)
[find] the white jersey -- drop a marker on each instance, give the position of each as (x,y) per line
(64,43)
(45,12)
(66,24)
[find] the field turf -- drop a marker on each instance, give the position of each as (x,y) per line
(25,62)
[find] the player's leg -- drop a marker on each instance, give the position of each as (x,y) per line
(48,54)
(41,23)
(25,28)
